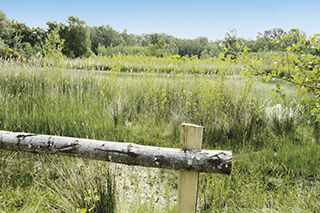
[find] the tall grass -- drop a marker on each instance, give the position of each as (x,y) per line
(39,183)
(275,159)
(113,107)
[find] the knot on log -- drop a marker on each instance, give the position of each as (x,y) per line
(222,162)
(131,153)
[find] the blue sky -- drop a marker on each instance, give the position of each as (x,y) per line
(183,19)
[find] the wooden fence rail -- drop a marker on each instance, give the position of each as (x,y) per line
(190,158)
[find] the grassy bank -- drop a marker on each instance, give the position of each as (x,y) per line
(275,150)
(163,65)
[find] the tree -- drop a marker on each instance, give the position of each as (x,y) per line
(5,28)
(162,49)
(231,41)
(268,36)
(2,16)
(77,38)
(153,38)
(2,44)
(129,39)
(52,50)
(105,36)
(274,33)
(230,38)
(34,36)
(192,46)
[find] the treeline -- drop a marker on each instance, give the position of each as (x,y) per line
(80,40)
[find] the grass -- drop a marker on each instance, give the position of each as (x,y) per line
(275,165)
(39,183)
(135,63)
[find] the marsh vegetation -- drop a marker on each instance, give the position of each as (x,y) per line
(140,89)
(275,157)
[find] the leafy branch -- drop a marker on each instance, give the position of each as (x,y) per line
(297,66)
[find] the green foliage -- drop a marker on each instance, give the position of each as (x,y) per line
(295,67)
(106,37)
(3,16)
(77,38)
(2,45)
(5,28)
(52,50)
(18,36)
(175,56)
(29,51)
(161,49)
(8,53)
(231,39)
(192,46)
(84,41)
(129,39)
(33,36)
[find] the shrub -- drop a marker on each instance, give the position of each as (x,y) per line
(7,53)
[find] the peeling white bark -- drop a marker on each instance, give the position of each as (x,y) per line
(209,161)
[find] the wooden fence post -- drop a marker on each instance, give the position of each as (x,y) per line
(191,138)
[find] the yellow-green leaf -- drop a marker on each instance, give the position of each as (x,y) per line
(268,78)
(297,78)
(82,210)
(87,198)
(259,63)
(245,49)
(278,58)
(291,56)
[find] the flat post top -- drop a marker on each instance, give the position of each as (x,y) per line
(191,136)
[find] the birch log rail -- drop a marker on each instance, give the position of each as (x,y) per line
(209,161)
